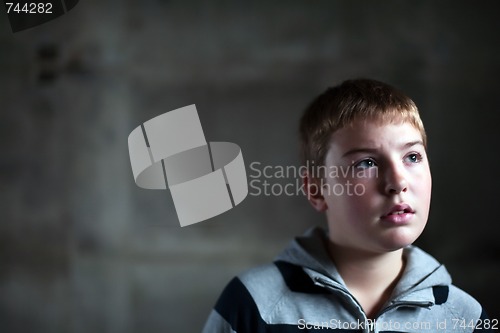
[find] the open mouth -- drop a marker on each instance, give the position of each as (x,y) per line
(401,214)
(400,210)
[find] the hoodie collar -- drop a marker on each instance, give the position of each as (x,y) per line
(422,271)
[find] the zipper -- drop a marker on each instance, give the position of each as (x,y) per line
(372,323)
(397,304)
(328,285)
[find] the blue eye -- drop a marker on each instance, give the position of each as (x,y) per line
(366,164)
(414,158)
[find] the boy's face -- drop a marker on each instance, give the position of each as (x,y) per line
(377,186)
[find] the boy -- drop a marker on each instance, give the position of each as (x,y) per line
(363,275)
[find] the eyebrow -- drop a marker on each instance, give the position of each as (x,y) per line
(373,150)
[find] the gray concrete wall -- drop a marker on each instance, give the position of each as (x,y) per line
(82,249)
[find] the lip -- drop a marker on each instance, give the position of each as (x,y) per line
(399,218)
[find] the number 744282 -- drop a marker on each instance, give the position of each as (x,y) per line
(489,324)
(29,8)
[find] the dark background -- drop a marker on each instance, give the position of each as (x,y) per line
(82,249)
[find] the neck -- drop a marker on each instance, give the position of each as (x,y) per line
(370,277)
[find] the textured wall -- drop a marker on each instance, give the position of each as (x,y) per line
(82,249)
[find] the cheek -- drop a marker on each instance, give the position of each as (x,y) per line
(362,196)
(367,188)
(423,185)
(353,195)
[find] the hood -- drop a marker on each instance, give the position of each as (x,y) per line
(309,251)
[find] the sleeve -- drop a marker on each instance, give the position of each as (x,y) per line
(235,312)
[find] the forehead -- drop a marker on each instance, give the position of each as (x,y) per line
(373,135)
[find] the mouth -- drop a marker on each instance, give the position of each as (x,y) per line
(399,215)
(400,210)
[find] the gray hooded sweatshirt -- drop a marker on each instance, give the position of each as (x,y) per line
(302,291)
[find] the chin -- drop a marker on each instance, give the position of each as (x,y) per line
(395,247)
(400,239)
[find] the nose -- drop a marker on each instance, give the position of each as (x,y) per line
(395,180)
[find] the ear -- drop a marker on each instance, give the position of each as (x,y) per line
(314,192)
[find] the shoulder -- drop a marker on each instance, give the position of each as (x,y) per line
(255,291)
(272,294)
(247,302)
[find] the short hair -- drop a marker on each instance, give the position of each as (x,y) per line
(341,105)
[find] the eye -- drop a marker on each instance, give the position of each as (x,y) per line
(413,158)
(366,164)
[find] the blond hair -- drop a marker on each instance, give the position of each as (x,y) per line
(352,100)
